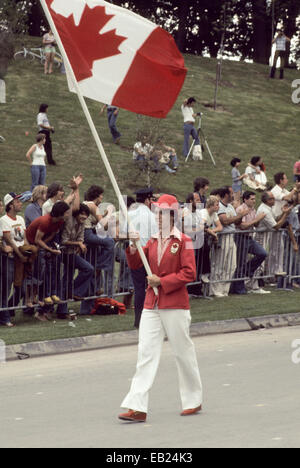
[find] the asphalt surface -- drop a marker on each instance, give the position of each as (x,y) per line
(251,397)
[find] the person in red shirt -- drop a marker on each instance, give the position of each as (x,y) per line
(41,232)
(171,258)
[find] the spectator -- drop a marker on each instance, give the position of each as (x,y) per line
(34,209)
(46,129)
(256,178)
(170,256)
(143,154)
(280,40)
(272,241)
(281,194)
(49,44)
(5,318)
(189,129)
(201,185)
(112,115)
(247,245)
(167,155)
(38,167)
(237,179)
(144,222)
(41,232)
(224,258)
(193,226)
(14,236)
(100,250)
(297,171)
(73,258)
(56,193)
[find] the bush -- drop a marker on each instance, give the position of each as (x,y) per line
(6,51)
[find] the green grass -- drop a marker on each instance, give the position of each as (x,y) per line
(257,118)
(232,307)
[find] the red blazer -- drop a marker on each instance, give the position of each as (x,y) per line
(177,268)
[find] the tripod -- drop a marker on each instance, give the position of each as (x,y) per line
(202,135)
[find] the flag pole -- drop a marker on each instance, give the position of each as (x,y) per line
(95,134)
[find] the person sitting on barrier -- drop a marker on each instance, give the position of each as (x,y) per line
(224,258)
(100,250)
(201,186)
(247,245)
(73,258)
(41,232)
(281,194)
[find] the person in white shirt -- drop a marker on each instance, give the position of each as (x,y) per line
(38,166)
(189,120)
(144,222)
(281,194)
(46,129)
(281,41)
(223,260)
(272,241)
(49,43)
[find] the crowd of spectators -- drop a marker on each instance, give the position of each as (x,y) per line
(65,248)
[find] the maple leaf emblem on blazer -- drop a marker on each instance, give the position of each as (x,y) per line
(84,43)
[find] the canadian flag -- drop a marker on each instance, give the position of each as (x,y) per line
(118,57)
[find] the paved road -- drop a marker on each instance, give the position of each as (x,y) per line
(252,391)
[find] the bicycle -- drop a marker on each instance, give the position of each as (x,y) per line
(37,53)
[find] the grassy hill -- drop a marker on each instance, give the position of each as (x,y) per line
(257,117)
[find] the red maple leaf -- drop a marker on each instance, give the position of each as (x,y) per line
(83,43)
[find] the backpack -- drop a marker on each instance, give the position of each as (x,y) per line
(197,153)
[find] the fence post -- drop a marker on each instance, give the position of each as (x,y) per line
(2,352)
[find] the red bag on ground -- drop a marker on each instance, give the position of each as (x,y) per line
(108,306)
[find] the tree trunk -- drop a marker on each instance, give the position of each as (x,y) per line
(261,32)
(181,37)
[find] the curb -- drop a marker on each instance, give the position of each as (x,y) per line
(110,340)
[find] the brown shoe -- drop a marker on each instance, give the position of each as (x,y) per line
(189,412)
(133,416)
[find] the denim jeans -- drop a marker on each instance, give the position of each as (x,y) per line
(246,268)
(189,130)
(38,175)
(80,287)
(112,120)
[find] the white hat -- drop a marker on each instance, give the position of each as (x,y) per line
(9,198)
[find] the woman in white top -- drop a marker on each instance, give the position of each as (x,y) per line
(189,120)
(49,43)
(38,166)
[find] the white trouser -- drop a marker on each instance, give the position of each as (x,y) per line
(154,324)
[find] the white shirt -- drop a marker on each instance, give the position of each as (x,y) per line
(42,119)
(209,220)
(47,207)
(38,156)
(143,221)
(269,221)
(281,43)
(230,213)
(139,148)
(279,193)
(16,227)
(188,114)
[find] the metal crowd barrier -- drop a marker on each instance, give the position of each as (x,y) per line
(54,275)
(224,262)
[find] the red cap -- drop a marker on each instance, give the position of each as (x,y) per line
(167,202)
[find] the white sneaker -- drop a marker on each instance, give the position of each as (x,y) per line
(219,295)
(205,278)
(260,291)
